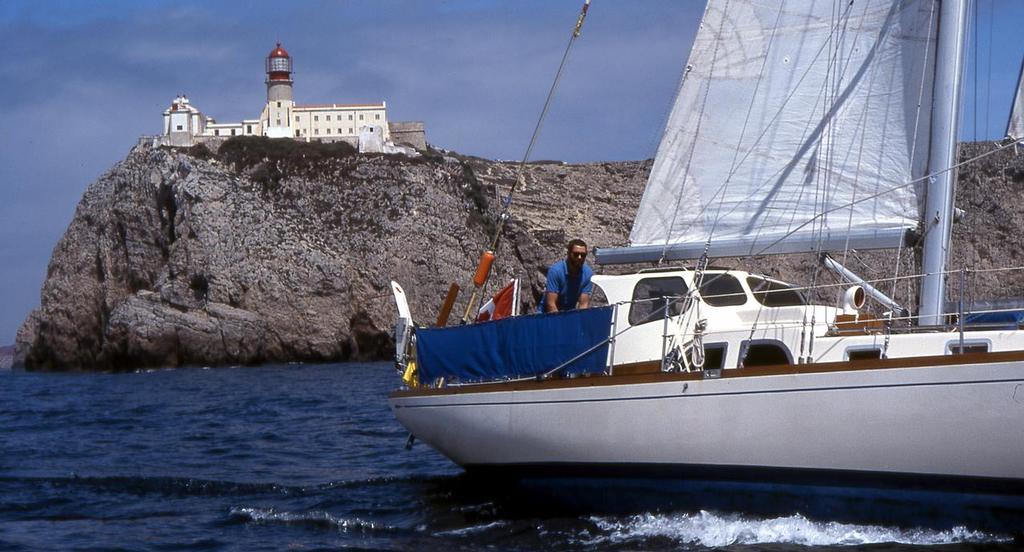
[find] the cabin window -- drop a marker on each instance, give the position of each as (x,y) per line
(863,354)
(764,353)
(714,355)
(954,348)
(649,299)
(775,294)
(722,290)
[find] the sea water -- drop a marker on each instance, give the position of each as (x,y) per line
(307,457)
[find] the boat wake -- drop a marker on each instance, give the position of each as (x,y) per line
(714,530)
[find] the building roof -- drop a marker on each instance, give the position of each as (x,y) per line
(338,106)
(279,52)
(180,104)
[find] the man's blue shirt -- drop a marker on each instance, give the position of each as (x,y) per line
(568,288)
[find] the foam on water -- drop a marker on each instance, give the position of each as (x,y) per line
(311,517)
(714,530)
(473,529)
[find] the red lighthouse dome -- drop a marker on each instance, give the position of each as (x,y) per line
(279,64)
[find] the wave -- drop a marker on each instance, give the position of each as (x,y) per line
(716,530)
(317,518)
(211,487)
(384,480)
(471,530)
(162,485)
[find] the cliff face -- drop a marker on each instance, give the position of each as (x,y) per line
(172,259)
(6,357)
(285,252)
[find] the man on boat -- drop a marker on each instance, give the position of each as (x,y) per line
(568,284)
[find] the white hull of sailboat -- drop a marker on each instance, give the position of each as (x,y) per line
(957,421)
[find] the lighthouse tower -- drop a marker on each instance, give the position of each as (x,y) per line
(278,119)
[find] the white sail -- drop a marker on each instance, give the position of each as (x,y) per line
(1015,129)
(798,121)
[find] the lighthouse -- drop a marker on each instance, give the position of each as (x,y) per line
(279,94)
(364,125)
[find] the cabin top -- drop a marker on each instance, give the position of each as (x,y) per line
(718,288)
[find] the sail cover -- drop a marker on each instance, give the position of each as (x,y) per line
(796,121)
(1015,129)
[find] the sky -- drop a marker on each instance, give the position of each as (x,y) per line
(84,80)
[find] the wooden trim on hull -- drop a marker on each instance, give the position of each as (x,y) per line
(649,372)
(757,474)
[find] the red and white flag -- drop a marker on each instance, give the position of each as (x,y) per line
(505,303)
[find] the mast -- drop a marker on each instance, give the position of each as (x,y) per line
(938,213)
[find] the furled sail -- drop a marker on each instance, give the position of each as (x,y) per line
(800,125)
(1015,129)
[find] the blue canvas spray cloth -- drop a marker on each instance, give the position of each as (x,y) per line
(519,346)
(1009,319)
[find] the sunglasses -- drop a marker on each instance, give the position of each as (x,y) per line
(578,255)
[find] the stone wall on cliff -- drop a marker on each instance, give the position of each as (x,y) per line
(178,257)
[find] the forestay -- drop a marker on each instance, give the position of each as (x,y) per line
(797,127)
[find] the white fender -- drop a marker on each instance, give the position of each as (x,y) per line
(403,326)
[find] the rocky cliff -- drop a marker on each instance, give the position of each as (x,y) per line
(6,357)
(281,251)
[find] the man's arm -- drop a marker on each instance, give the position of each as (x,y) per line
(584,301)
(550,301)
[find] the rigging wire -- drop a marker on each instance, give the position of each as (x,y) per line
(974,37)
(824,150)
(924,178)
(703,262)
(734,165)
(700,120)
(507,203)
(988,70)
(932,17)
(543,113)
(666,115)
(769,125)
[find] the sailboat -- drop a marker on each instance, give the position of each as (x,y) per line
(802,126)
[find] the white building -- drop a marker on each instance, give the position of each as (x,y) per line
(185,125)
